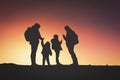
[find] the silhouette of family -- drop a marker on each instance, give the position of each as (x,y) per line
(33,35)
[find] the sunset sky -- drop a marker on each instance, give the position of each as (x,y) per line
(97,23)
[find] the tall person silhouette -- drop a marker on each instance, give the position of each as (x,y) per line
(56,45)
(71,39)
(32,35)
(46,51)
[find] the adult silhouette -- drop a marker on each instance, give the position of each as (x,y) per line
(46,51)
(32,35)
(56,46)
(71,39)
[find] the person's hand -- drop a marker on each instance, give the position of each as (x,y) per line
(42,39)
(61,41)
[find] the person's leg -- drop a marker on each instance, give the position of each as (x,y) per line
(48,60)
(74,58)
(57,57)
(43,60)
(33,53)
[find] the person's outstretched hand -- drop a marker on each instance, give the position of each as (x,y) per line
(42,39)
(61,41)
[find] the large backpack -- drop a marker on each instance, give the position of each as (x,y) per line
(27,34)
(75,38)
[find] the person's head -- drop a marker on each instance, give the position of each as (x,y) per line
(67,28)
(56,36)
(36,26)
(47,44)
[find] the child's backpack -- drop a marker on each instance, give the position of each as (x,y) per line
(28,33)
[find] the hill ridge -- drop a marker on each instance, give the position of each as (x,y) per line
(62,72)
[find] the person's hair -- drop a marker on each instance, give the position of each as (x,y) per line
(36,25)
(67,28)
(55,36)
(47,43)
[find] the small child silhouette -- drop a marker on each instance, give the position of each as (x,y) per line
(56,46)
(46,51)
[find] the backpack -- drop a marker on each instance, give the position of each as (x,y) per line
(27,34)
(75,38)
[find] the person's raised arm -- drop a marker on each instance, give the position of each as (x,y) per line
(61,42)
(64,37)
(42,42)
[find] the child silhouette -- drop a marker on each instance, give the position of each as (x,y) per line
(46,51)
(56,46)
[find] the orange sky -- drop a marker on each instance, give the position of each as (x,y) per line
(99,36)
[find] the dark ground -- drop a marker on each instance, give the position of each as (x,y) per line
(63,72)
